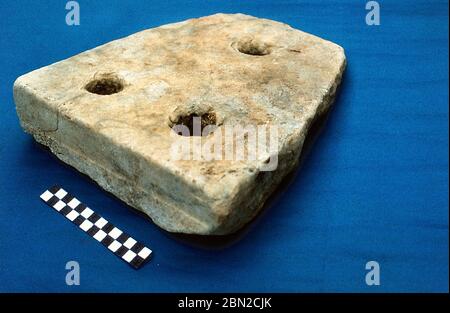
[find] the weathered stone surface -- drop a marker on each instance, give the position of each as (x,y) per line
(108,112)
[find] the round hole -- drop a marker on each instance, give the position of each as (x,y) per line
(195,123)
(252,46)
(106,85)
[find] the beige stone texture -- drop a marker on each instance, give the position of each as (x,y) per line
(108,113)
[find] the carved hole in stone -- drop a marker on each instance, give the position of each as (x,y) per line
(194,122)
(252,46)
(105,85)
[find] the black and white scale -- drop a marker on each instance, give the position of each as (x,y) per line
(118,242)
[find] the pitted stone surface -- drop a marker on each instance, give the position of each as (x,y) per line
(108,112)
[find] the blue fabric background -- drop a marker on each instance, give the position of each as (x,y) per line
(373,187)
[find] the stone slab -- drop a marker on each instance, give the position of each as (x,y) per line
(109,113)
